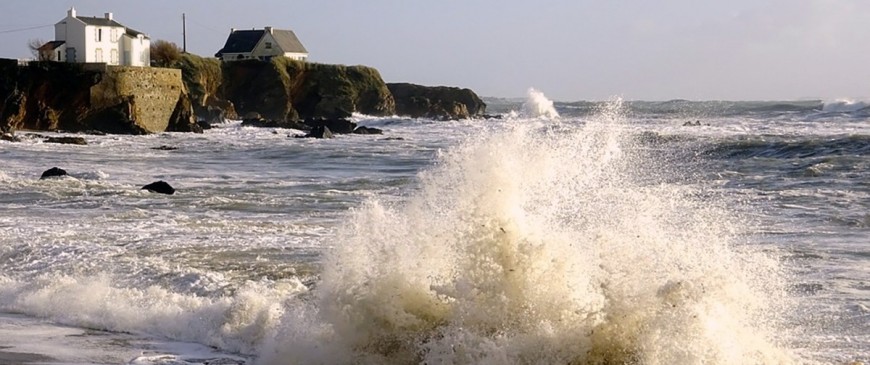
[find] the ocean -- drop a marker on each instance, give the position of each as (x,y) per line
(613,232)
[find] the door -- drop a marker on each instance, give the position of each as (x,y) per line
(70,55)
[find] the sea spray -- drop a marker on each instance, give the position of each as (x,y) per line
(533,245)
(538,106)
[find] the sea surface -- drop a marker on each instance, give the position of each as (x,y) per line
(612,232)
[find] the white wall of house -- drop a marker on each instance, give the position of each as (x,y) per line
(296,56)
(136,51)
(104,44)
(268,47)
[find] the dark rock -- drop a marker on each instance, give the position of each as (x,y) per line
(270,123)
(203,124)
(696,123)
(9,137)
(436,102)
(161,187)
(335,125)
(165,148)
(492,116)
(182,119)
(318,132)
(53,172)
(393,139)
(66,140)
(367,130)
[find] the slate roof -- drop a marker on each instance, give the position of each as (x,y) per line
(135,33)
(100,22)
(103,22)
(50,46)
(288,41)
(241,41)
(244,41)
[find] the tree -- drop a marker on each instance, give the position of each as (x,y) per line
(34,45)
(164,53)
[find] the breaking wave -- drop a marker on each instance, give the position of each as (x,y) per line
(541,246)
(538,106)
(844,106)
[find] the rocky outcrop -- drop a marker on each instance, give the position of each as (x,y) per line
(53,172)
(202,79)
(161,187)
(436,102)
(287,90)
(87,97)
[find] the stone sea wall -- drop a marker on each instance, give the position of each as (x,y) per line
(88,97)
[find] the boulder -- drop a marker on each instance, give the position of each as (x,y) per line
(161,187)
(271,123)
(66,140)
(319,132)
(9,137)
(335,125)
(367,130)
(53,172)
(436,102)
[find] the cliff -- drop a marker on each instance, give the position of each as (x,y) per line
(436,102)
(89,97)
(202,79)
(283,89)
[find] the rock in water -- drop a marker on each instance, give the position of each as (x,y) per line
(66,140)
(319,132)
(367,130)
(53,172)
(161,187)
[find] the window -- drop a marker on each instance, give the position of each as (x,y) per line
(268,45)
(58,56)
(99,35)
(99,55)
(114,56)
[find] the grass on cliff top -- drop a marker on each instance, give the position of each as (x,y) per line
(201,76)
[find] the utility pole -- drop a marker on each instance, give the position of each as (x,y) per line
(184,32)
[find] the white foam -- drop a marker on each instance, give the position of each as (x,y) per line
(844,106)
(538,106)
(236,323)
(529,246)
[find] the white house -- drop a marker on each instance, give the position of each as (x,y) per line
(262,44)
(94,39)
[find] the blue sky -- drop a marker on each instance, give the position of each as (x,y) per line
(569,49)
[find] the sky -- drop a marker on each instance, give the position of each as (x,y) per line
(569,49)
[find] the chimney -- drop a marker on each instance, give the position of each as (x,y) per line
(71,12)
(269,29)
(109,16)
(232,30)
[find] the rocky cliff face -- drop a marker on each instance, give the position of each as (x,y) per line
(88,97)
(203,78)
(135,100)
(284,89)
(436,102)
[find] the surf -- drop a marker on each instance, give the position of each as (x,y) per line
(533,244)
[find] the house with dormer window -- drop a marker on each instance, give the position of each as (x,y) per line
(262,44)
(83,39)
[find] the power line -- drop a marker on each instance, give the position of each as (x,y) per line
(23,29)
